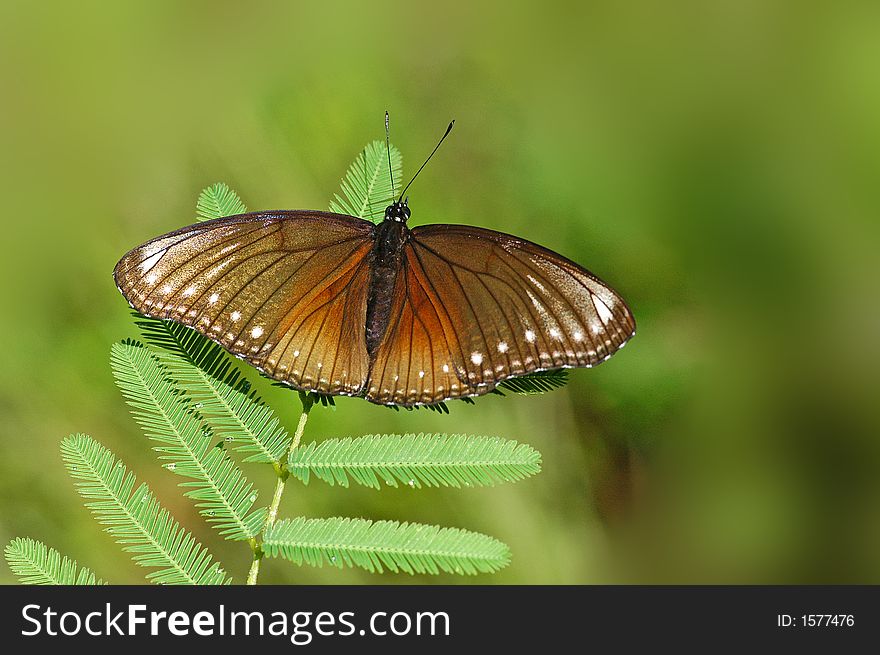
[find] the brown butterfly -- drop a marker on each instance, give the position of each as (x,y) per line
(338,305)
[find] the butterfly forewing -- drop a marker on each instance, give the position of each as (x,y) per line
(473,307)
(285,290)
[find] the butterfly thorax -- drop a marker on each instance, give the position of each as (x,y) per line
(386,258)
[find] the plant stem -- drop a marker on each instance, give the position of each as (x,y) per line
(282,475)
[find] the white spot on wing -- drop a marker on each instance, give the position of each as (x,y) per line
(502,347)
(188,292)
(214,272)
(536,303)
(446,368)
(477,358)
(530,336)
(604,313)
(257,332)
(214,298)
(536,283)
(150,261)
(235,316)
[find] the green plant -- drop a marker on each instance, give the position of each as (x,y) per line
(192,400)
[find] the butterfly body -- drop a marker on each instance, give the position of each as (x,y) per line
(386,257)
(337,305)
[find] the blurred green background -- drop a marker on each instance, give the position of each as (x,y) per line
(716,162)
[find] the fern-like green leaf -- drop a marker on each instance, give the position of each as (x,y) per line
(375,546)
(432,460)
(35,563)
(537,382)
(222,493)
(135,518)
(366,187)
(211,378)
(217,201)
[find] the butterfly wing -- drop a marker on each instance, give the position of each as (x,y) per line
(473,307)
(285,290)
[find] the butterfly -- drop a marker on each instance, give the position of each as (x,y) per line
(338,305)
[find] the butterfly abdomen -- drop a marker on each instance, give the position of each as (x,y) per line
(386,258)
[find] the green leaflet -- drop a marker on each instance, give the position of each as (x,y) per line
(135,518)
(211,378)
(431,460)
(376,546)
(217,201)
(37,564)
(223,494)
(537,382)
(366,187)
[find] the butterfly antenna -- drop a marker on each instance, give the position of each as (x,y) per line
(388,149)
(442,138)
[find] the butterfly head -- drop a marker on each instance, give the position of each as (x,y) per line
(398,212)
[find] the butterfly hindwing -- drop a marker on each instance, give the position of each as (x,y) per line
(285,290)
(418,360)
